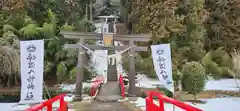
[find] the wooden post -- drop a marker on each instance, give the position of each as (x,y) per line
(91,10)
(86,11)
(132,72)
(79,76)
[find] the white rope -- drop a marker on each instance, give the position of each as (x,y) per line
(86,48)
(120,52)
(130,55)
(118,55)
(112,57)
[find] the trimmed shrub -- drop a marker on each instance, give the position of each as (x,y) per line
(73,73)
(193,78)
(226,72)
(87,74)
(176,73)
(221,57)
(217,63)
(214,70)
(149,67)
(144,65)
(176,76)
(61,72)
(207,59)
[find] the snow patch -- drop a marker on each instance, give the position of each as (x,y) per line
(144,82)
(216,104)
(223,84)
(17,107)
(71,87)
(12,107)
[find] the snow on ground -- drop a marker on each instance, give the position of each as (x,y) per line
(17,107)
(223,84)
(11,106)
(64,87)
(216,104)
(144,82)
(71,87)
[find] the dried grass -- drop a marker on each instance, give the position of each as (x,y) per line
(9,65)
(236,66)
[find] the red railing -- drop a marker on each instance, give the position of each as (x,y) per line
(122,86)
(151,106)
(48,104)
(97,81)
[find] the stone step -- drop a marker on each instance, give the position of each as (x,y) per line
(111,98)
(109,92)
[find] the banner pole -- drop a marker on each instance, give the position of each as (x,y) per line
(45,86)
(174,95)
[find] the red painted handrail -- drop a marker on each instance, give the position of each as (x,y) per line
(122,86)
(151,106)
(97,81)
(48,104)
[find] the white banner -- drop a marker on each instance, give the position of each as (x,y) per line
(32,62)
(161,55)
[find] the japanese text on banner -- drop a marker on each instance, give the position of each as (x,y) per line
(32,57)
(163,65)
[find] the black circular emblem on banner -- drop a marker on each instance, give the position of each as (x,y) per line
(31,48)
(160,51)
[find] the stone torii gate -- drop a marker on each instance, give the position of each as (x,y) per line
(131,39)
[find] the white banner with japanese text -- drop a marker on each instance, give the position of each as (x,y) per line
(161,55)
(32,66)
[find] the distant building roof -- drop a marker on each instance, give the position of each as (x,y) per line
(110,16)
(100,2)
(115,2)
